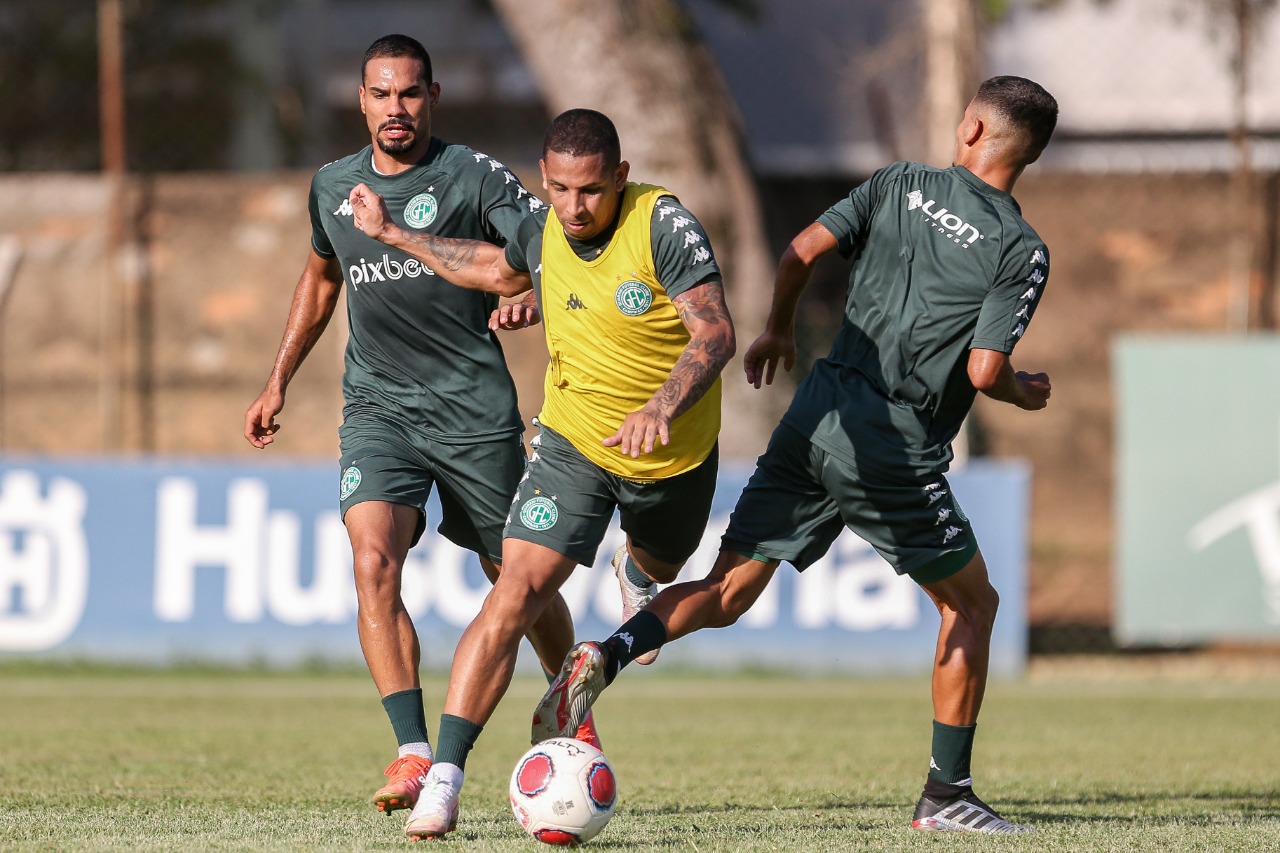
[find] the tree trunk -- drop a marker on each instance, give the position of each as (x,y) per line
(640,63)
(953,70)
(1240,301)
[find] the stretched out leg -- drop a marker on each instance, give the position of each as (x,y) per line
(716,601)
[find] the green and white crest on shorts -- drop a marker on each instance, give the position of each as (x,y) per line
(539,513)
(350,482)
(633,298)
(421,210)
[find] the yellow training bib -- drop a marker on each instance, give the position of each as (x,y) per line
(614,335)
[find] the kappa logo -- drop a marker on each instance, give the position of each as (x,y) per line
(633,298)
(539,513)
(936,495)
(626,638)
(574,303)
(421,210)
(350,482)
(344,209)
(944,221)
(943,515)
(952,533)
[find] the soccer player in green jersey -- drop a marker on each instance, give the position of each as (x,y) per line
(633,311)
(427,397)
(946,277)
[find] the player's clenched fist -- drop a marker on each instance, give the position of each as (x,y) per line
(369,211)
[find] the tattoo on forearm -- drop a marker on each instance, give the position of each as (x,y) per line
(451,254)
(706,353)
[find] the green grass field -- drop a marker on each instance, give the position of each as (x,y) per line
(136,760)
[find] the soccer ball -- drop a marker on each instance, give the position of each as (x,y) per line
(563,791)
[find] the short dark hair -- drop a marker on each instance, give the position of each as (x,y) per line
(1026,105)
(396,45)
(581,133)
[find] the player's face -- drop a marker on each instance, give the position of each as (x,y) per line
(397,102)
(584,191)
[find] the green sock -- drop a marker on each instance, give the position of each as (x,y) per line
(952,752)
(635,575)
(408,720)
(457,736)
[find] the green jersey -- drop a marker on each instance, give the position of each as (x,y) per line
(420,348)
(944,263)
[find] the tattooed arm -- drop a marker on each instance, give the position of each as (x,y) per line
(711,345)
(473,264)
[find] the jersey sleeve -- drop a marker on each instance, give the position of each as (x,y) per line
(319,240)
(527,242)
(682,255)
(1011,302)
(849,219)
(505,203)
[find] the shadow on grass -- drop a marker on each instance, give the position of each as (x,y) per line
(1221,806)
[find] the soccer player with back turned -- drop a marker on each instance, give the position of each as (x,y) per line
(946,277)
(428,399)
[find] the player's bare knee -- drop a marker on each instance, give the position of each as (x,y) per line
(377,574)
(734,601)
(979,608)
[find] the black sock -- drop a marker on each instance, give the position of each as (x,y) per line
(943,791)
(408,720)
(457,737)
(642,633)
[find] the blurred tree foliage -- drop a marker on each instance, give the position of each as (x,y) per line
(180,80)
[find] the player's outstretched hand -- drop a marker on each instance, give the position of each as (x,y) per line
(761,360)
(517,315)
(260,425)
(639,432)
(1035,390)
(369,211)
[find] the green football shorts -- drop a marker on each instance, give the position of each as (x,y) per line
(386,459)
(800,498)
(566,502)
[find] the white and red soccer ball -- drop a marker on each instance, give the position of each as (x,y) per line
(563,791)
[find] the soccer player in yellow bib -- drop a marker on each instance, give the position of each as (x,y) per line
(636,325)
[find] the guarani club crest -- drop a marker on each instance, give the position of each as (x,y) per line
(421,210)
(633,298)
(350,482)
(539,513)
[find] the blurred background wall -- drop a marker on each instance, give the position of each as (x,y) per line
(153,209)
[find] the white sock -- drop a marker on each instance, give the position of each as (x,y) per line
(451,774)
(421,749)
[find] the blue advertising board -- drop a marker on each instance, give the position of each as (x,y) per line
(160,560)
